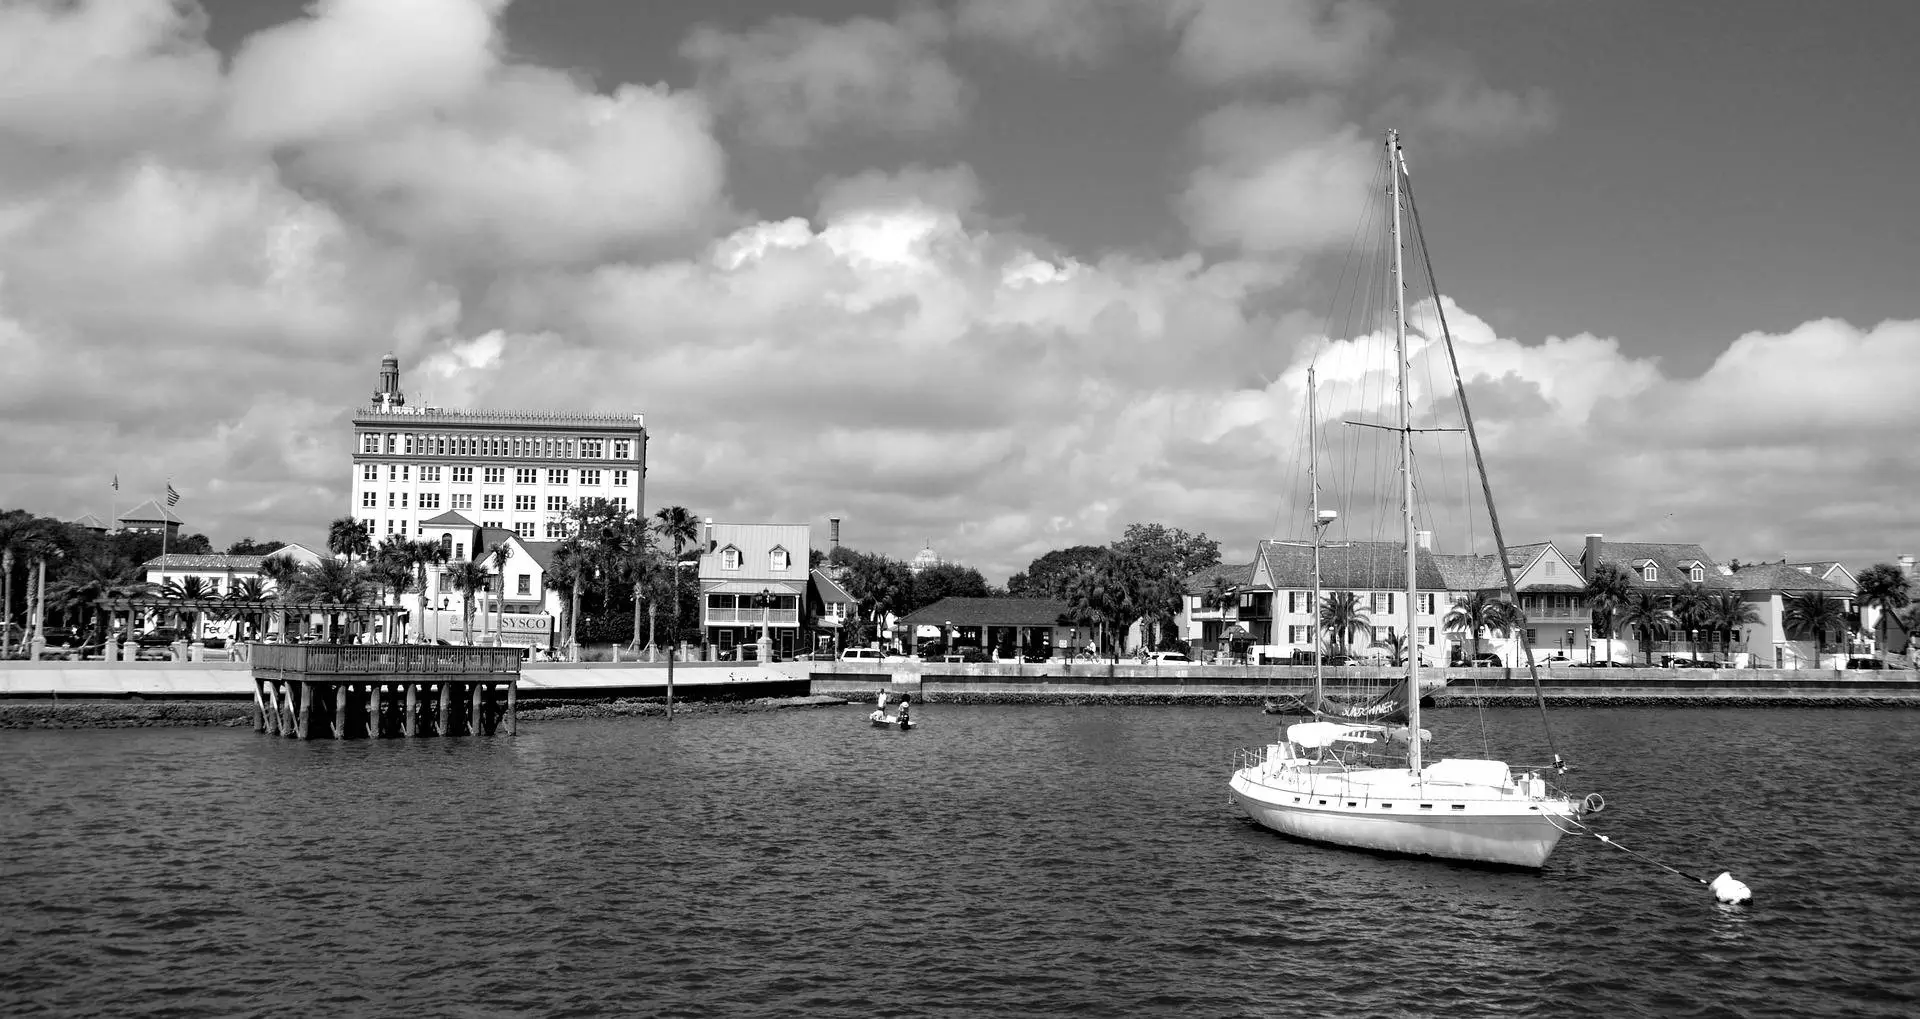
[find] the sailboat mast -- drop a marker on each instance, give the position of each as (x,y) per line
(1411,643)
(1318,525)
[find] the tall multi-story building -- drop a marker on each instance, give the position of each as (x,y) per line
(512,470)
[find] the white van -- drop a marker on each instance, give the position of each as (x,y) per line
(867,654)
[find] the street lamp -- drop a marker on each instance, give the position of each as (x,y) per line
(766,641)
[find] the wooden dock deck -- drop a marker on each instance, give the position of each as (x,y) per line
(378,690)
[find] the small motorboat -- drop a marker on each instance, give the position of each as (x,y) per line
(881,720)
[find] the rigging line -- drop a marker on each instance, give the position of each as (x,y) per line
(1473,436)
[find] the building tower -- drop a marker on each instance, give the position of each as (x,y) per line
(389,396)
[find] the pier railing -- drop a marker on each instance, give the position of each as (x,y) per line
(388,660)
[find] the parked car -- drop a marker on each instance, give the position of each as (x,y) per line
(1556,659)
(1865,663)
(1168,656)
(1485,659)
(869,654)
(160,636)
(1342,660)
(815,656)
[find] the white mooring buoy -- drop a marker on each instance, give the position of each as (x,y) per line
(1729,890)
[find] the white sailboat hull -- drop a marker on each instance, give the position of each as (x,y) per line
(1393,811)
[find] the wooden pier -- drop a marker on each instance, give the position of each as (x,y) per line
(376,690)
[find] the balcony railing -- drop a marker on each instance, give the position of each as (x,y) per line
(753,617)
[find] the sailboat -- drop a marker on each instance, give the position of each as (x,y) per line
(1356,775)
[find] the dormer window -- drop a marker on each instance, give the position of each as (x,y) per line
(1696,574)
(778,561)
(729,558)
(1650,573)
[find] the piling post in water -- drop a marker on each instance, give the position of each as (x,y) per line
(259,707)
(410,712)
(340,710)
(374,726)
(474,727)
(512,708)
(446,708)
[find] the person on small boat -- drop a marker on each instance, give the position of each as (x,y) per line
(906,707)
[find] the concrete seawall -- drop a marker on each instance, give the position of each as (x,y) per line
(1020,683)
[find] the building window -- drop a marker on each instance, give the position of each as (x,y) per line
(403,500)
(619,479)
(1696,574)
(393,472)
(495,524)
(1426,635)
(369,442)
(459,551)
(1299,634)
(619,503)
(1423,602)
(430,475)
(523,528)
(1381,601)
(429,500)
(556,504)
(556,529)
(526,585)
(393,442)
(526,475)
(462,501)
(778,561)
(556,476)
(493,503)
(393,499)
(590,478)
(729,558)
(494,475)
(370,472)
(1552,567)
(1650,573)
(524,503)
(463,475)
(590,449)
(367,525)
(368,500)
(623,449)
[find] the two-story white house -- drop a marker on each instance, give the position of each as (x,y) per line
(753,581)
(517,609)
(219,575)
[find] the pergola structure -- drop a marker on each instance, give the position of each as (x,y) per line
(135,606)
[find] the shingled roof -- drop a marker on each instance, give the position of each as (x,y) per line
(1782,577)
(178,561)
(1238,576)
(1669,559)
(989,612)
(1350,566)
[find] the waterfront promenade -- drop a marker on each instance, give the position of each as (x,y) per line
(1023,682)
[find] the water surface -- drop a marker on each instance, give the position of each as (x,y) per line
(999,860)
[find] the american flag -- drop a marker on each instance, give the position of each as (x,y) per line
(116,482)
(173,497)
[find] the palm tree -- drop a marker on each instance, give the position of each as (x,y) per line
(645,568)
(333,581)
(1607,590)
(188,589)
(425,554)
(1690,603)
(1103,594)
(1159,598)
(497,557)
(677,527)
(247,596)
(1727,613)
(20,531)
(1341,620)
(1883,587)
(283,573)
(564,573)
(1815,611)
(467,578)
(1483,612)
(1647,612)
(89,582)
(346,537)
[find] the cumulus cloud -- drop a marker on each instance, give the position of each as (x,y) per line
(1314,41)
(954,188)
(214,308)
(103,72)
(535,168)
(1062,31)
(792,80)
(1278,177)
(351,65)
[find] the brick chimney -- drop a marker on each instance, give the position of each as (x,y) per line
(706,535)
(1906,566)
(1593,556)
(833,534)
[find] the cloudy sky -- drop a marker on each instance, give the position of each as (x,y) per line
(1001,275)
